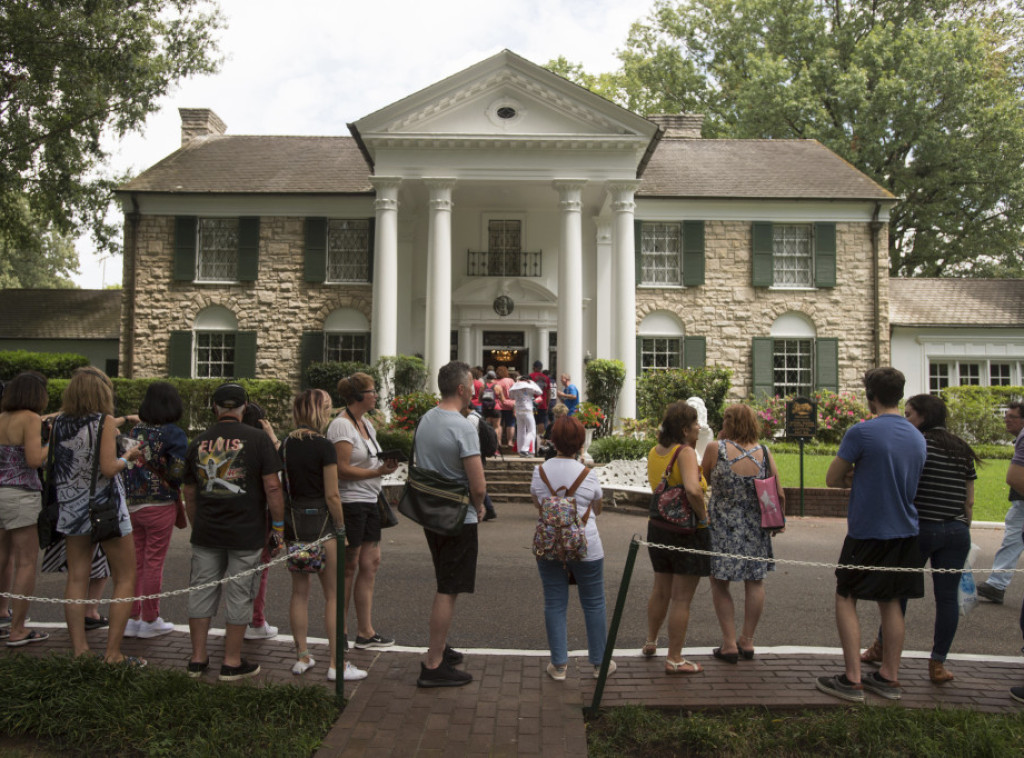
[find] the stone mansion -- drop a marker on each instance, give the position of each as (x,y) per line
(504,215)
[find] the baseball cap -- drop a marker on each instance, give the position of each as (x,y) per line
(230,396)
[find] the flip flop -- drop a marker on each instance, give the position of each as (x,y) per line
(682,667)
(33,636)
(91,623)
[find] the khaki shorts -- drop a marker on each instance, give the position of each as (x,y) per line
(19,508)
(209,565)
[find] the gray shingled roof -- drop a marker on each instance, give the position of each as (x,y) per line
(259,164)
(956,302)
(756,169)
(60,314)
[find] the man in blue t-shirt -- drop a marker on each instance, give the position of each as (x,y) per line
(569,394)
(880,460)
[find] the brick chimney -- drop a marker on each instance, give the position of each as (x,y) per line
(679,125)
(199,122)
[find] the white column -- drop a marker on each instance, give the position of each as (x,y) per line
(624,257)
(385,268)
(540,348)
(570,281)
(604,314)
(439,278)
(465,347)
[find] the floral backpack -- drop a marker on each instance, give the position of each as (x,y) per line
(561,533)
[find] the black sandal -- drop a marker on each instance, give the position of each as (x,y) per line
(100,623)
(727,657)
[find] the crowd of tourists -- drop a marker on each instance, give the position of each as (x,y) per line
(110,503)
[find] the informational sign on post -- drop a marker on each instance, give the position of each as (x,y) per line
(802,425)
(801,418)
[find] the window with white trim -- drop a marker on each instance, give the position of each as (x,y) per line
(214,344)
(974,372)
(217,250)
(348,347)
(793,255)
(938,377)
(792,362)
(348,250)
(999,374)
(661,251)
(660,353)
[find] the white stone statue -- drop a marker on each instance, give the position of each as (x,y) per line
(705,435)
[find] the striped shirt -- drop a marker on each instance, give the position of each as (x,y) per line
(943,487)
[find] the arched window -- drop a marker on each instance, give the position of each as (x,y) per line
(661,344)
(215,331)
(346,336)
(794,360)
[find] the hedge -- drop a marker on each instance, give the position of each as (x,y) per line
(50,365)
(974,412)
(656,389)
(275,397)
(325,376)
(620,448)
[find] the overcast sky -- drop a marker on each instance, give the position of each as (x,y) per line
(321,64)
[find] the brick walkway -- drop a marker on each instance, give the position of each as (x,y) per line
(512,708)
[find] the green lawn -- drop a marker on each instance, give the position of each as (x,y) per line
(990,490)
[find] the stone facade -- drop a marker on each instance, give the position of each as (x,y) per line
(279,306)
(728,311)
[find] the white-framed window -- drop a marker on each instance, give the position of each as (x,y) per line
(660,353)
(661,252)
(214,344)
(348,250)
(792,366)
(217,250)
(346,336)
(975,372)
(793,256)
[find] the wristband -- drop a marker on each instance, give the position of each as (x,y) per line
(277,524)
(279,529)
(124,461)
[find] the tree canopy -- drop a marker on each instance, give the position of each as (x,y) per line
(924,96)
(73,72)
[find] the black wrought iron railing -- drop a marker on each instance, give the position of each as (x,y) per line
(487,263)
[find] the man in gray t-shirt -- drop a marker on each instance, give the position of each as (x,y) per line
(447,444)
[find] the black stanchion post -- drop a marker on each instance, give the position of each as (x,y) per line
(613,630)
(801,477)
(339,615)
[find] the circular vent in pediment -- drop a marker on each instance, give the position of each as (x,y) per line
(505,112)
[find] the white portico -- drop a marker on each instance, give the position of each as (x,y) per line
(491,187)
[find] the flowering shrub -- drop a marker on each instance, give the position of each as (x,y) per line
(837,412)
(590,415)
(637,426)
(408,409)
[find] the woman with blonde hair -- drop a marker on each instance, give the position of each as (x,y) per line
(311,476)
(360,472)
(731,467)
(87,418)
(676,574)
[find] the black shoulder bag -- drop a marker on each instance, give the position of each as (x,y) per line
(104,517)
(46,523)
(433,501)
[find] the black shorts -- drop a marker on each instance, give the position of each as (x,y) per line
(362,523)
(508,418)
(454,560)
(880,586)
(673,561)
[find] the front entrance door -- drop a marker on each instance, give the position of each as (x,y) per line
(506,349)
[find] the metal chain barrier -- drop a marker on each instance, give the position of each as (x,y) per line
(818,564)
(171,593)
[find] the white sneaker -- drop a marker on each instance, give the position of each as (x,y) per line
(611,669)
(131,629)
(352,674)
(155,628)
(265,632)
(301,667)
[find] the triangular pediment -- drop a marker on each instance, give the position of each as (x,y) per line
(504,100)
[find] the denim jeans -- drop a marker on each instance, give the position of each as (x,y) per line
(945,544)
(1009,552)
(590,581)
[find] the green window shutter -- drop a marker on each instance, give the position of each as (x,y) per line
(185,248)
(639,356)
(316,250)
(763,365)
(826,364)
(638,243)
(311,350)
(371,244)
(245,355)
(693,253)
(179,355)
(763,248)
(824,255)
(248,249)
(695,351)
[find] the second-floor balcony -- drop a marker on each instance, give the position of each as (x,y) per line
(503,263)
